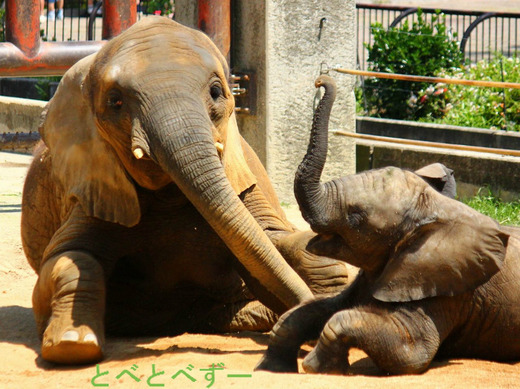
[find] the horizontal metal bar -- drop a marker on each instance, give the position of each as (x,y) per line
(377,138)
(406,77)
(52,59)
(433,10)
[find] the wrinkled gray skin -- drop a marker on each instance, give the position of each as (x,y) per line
(145,212)
(436,278)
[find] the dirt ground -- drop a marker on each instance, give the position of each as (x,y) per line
(153,361)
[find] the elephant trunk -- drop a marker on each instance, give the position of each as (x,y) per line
(310,194)
(184,147)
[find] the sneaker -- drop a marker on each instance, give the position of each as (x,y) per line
(51,15)
(60,14)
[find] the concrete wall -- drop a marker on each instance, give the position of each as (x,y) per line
(278,40)
(472,170)
(20,115)
(294,56)
(442,133)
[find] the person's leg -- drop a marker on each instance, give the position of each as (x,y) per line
(51,14)
(60,9)
(42,11)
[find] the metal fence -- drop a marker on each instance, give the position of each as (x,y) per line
(481,34)
(81,21)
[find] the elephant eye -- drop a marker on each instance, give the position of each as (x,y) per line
(115,100)
(215,91)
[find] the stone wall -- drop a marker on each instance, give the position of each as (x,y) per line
(20,115)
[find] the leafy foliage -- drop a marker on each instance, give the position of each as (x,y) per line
(424,48)
(166,7)
(484,107)
(43,86)
(2,24)
(488,204)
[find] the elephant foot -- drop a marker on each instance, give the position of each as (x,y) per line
(277,364)
(69,308)
(67,343)
(317,362)
(71,346)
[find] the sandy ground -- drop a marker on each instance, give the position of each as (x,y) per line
(153,361)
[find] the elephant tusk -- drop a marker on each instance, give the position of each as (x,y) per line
(138,152)
(219,146)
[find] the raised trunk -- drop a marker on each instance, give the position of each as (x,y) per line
(185,149)
(309,192)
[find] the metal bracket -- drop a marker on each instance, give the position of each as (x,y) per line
(243,87)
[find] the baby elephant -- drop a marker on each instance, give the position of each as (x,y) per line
(437,278)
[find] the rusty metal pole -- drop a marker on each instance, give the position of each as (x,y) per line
(24,54)
(22,25)
(118,15)
(215,21)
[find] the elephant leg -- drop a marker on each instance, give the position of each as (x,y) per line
(323,275)
(69,308)
(390,340)
(295,327)
(242,316)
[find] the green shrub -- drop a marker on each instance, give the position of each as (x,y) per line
(2,20)
(424,48)
(43,86)
(472,106)
(165,6)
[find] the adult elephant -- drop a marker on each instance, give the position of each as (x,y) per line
(437,277)
(145,212)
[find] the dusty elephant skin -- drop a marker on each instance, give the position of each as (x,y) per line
(437,278)
(145,212)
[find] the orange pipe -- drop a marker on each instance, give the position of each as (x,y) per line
(406,77)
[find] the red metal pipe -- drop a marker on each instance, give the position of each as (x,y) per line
(24,54)
(118,15)
(22,25)
(52,59)
(215,21)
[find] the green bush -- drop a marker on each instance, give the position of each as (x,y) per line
(424,48)
(472,106)
(165,6)
(43,86)
(2,20)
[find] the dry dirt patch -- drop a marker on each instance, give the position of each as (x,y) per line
(237,354)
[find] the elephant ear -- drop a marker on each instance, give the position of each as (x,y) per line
(84,164)
(235,165)
(451,255)
(440,177)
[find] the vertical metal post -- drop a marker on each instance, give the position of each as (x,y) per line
(215,21)
(118,15)
(22,25)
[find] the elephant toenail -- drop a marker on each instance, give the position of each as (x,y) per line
(91,338)
(71,336)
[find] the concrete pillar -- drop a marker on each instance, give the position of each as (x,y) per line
(280,41)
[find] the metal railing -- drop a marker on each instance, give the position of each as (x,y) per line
(481,34)
(80,21)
